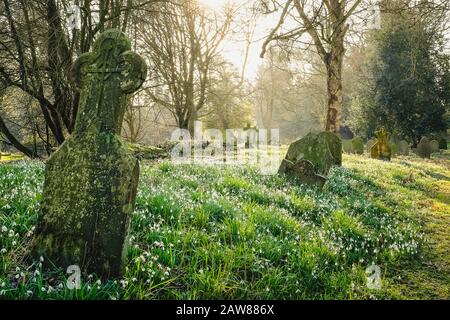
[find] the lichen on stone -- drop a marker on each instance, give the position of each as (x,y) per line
(91,180)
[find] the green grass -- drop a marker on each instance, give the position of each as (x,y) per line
(203,232)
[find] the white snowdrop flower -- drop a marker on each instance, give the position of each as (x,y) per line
(14,243)
(3,251)
(4,229)
(41,258)
(99,282)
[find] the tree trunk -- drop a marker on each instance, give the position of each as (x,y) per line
(191,122)
(334,88)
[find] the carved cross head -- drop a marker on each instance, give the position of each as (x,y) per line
(382,135)
(105,77)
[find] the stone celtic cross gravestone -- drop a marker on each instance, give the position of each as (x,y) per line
(381,149)
(91,180)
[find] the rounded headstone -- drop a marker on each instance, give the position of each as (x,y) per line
(393,144)
(358,145)
(347,145)
(424,148)
(323,150)
(403,148)
(434,146)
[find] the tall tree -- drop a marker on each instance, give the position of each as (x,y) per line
(407,80)
(182,42)
(326,24)
(37,49)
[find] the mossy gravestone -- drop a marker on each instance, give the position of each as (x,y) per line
(424,148)
(434,145)
(393,144)
(358,145)
(347,145)
(403,148)
(381,149)
(310,158)
(91,180)
(370,144)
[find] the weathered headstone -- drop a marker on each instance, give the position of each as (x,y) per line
(434,145)
(322,150)
(91,180)
(381,149)
(347,145)
(302,170)
(403,148)
(440,138)
(370,144)
(357,145)
(424,148)
(393,144)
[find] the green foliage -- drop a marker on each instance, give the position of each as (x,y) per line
(232,233)
(405,83)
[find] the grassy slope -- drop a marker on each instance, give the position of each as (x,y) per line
(203,232)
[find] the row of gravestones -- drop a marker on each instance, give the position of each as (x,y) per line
(424,149)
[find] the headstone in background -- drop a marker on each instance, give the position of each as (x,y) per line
(403,148)
(440,138)
(434,145)
(357,145)
(424,148)
(381,149)
(91,180)
(347,145)
(393,144)
(370,144)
